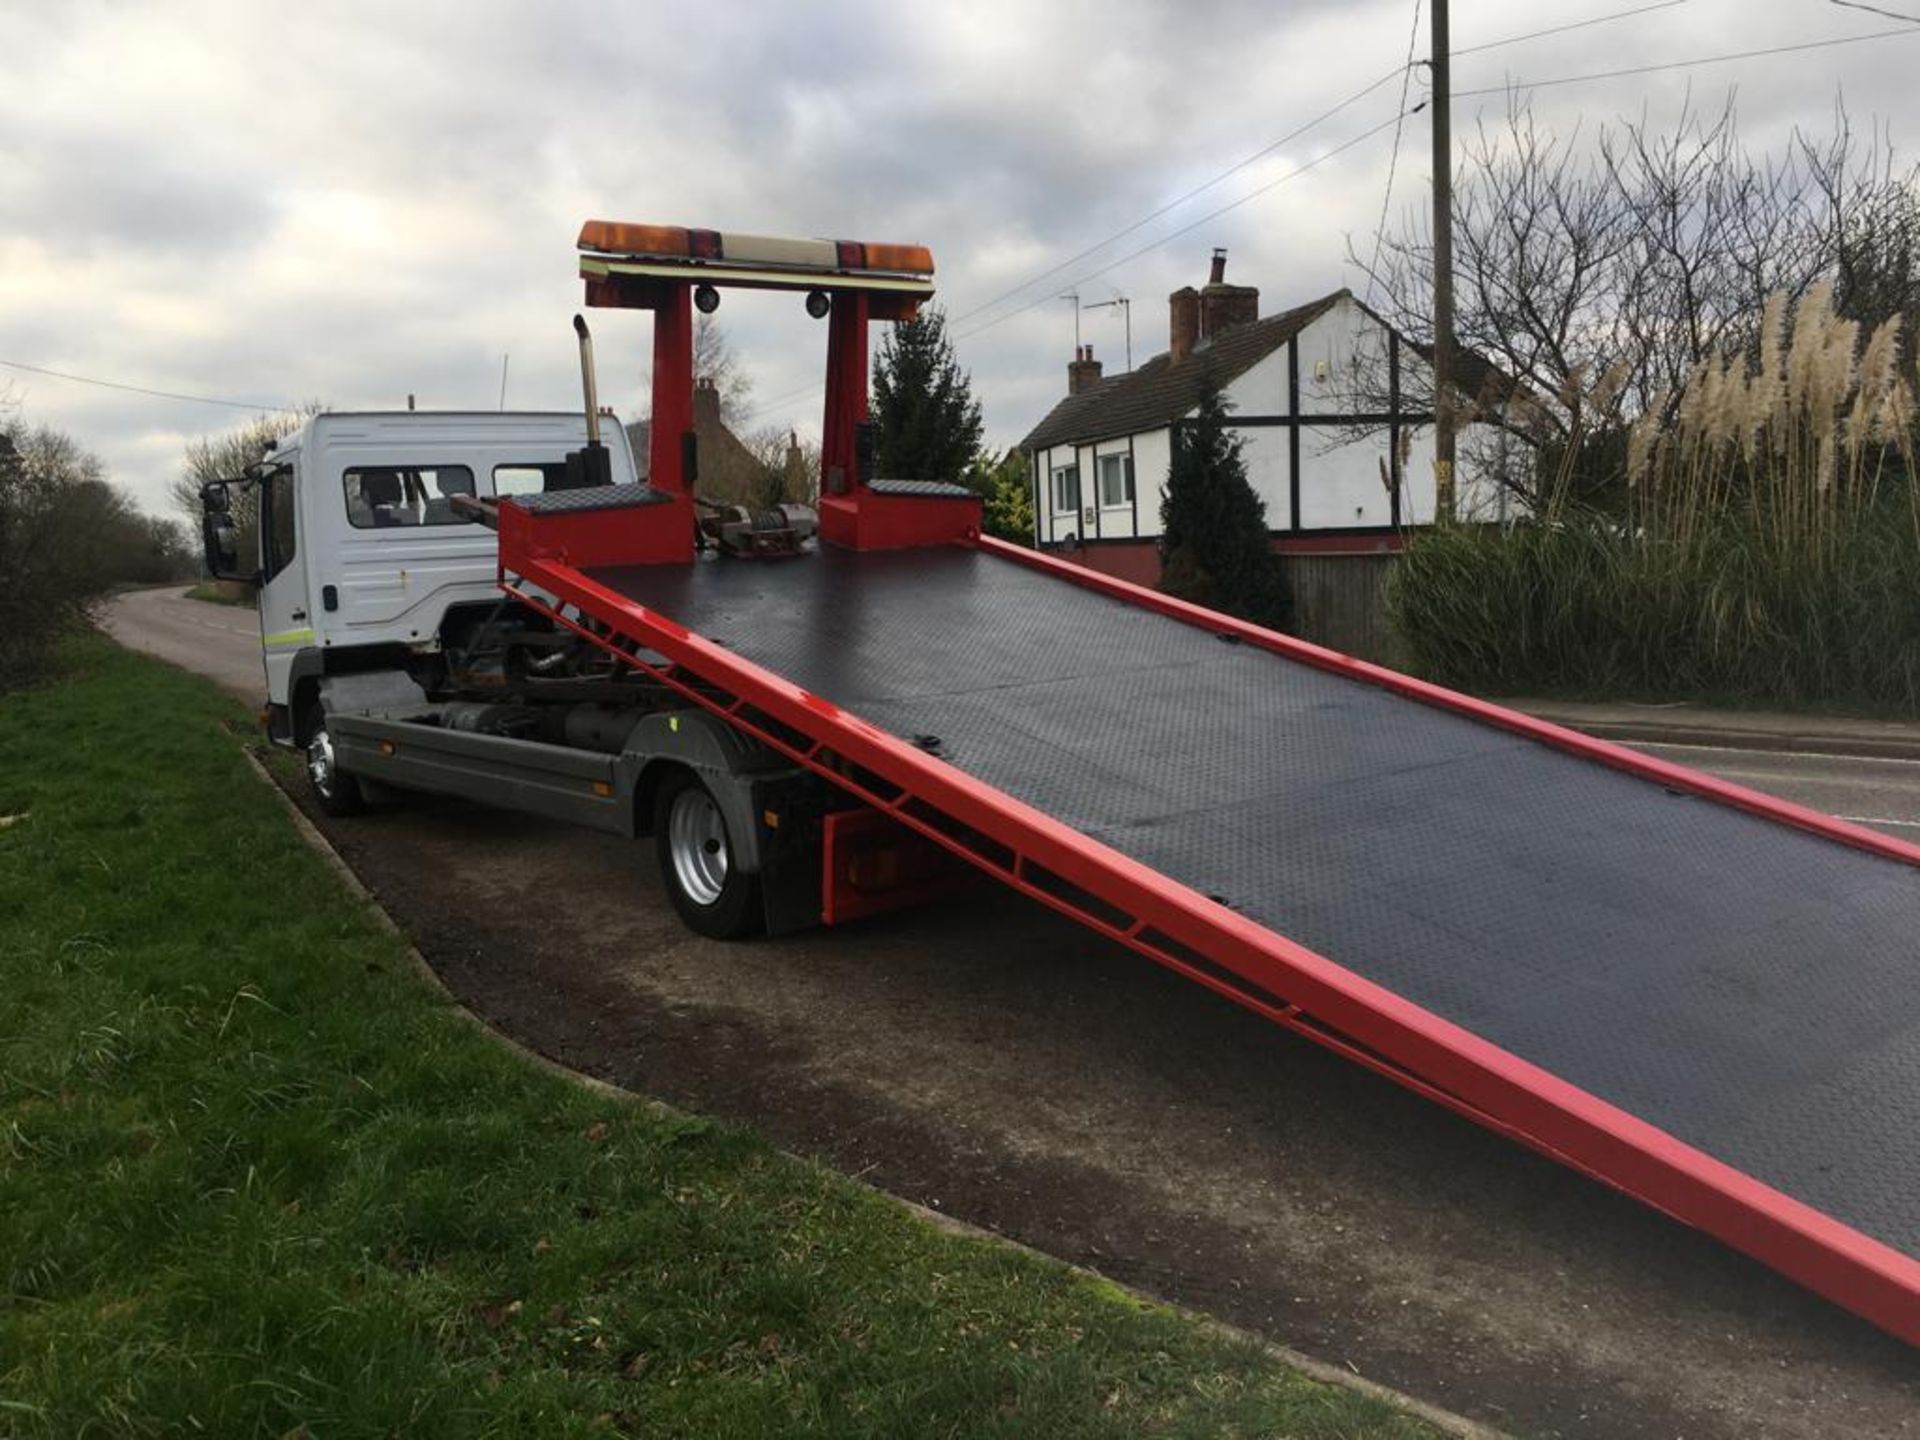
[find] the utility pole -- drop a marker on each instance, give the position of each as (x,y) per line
(503,378)
(1441,110)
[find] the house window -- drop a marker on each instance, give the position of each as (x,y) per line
(1066,489)
(1116,480)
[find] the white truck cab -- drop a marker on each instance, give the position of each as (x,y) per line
(396,662)
(362,555)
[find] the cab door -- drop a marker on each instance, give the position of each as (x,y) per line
(286,625)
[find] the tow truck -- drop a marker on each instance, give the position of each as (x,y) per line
(1694,993)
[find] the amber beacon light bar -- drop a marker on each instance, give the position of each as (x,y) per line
(610,248)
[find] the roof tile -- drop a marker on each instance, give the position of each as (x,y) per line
(1160,391)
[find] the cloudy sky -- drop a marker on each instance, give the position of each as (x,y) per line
(347,202)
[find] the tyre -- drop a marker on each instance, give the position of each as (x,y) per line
(712,894)
(335,791)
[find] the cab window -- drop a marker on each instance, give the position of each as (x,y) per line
(529,479)
(381,496)
(277,527)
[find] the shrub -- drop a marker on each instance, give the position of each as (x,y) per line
(1767,549)
(66,537)
(1213,544)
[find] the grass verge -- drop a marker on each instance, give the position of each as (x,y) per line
(257,1180)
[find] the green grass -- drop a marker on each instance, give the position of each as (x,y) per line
(255,1179)
(223,592)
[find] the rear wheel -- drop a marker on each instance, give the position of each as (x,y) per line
(335,791)
(698,862)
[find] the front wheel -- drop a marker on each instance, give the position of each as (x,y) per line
(712,894)
(335,791)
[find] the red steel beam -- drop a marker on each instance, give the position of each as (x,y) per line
(672,392)
(1287,982)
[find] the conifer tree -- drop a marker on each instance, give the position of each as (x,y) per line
(927,423)
(1214,548)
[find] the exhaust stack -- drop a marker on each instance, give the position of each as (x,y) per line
(592,464)
(587,382)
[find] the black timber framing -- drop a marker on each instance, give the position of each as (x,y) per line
(1040,515)
(1093,454)
(1393,427)
(1293,434)
(1133,484)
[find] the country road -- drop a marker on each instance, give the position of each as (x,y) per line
(991,1060)
(221,642)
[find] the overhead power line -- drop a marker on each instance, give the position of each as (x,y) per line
(1228,173)
(1564,80)
(1393,160)
(1179,200)
(1191,226)
(1876,10)
(1607,19)
(148,390)
(1290,136)
(1685,64)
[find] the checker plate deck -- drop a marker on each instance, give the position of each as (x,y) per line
(1746,987)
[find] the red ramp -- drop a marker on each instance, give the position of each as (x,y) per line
(1700,995)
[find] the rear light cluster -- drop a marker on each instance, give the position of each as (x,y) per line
(674,242)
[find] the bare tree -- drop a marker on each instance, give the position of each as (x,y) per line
(789,466)
(1591,279)
(715,359)
(228,455)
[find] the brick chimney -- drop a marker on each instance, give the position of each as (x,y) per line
(1183,322)
(1222,304)
(706,404)
(1084,372)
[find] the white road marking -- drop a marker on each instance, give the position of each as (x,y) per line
(1874,820)
(1787,754)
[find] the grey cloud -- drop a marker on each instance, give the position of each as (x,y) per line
(93,191)
(356,201)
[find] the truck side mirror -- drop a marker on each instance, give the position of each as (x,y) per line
(219,538)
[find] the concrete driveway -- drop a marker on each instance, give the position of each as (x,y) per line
(991,1060)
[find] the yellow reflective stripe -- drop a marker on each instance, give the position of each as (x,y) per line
(289,637)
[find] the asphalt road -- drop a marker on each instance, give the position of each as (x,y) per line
(221,642)
(992,1060)
(1883,794)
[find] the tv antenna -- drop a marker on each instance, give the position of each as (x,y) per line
(1125,307)
(1074,296)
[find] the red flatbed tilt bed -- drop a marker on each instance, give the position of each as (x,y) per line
(1701,995)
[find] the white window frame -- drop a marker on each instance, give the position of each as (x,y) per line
(1122,462)
(1066,501)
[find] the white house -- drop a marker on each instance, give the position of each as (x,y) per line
(1337,475)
